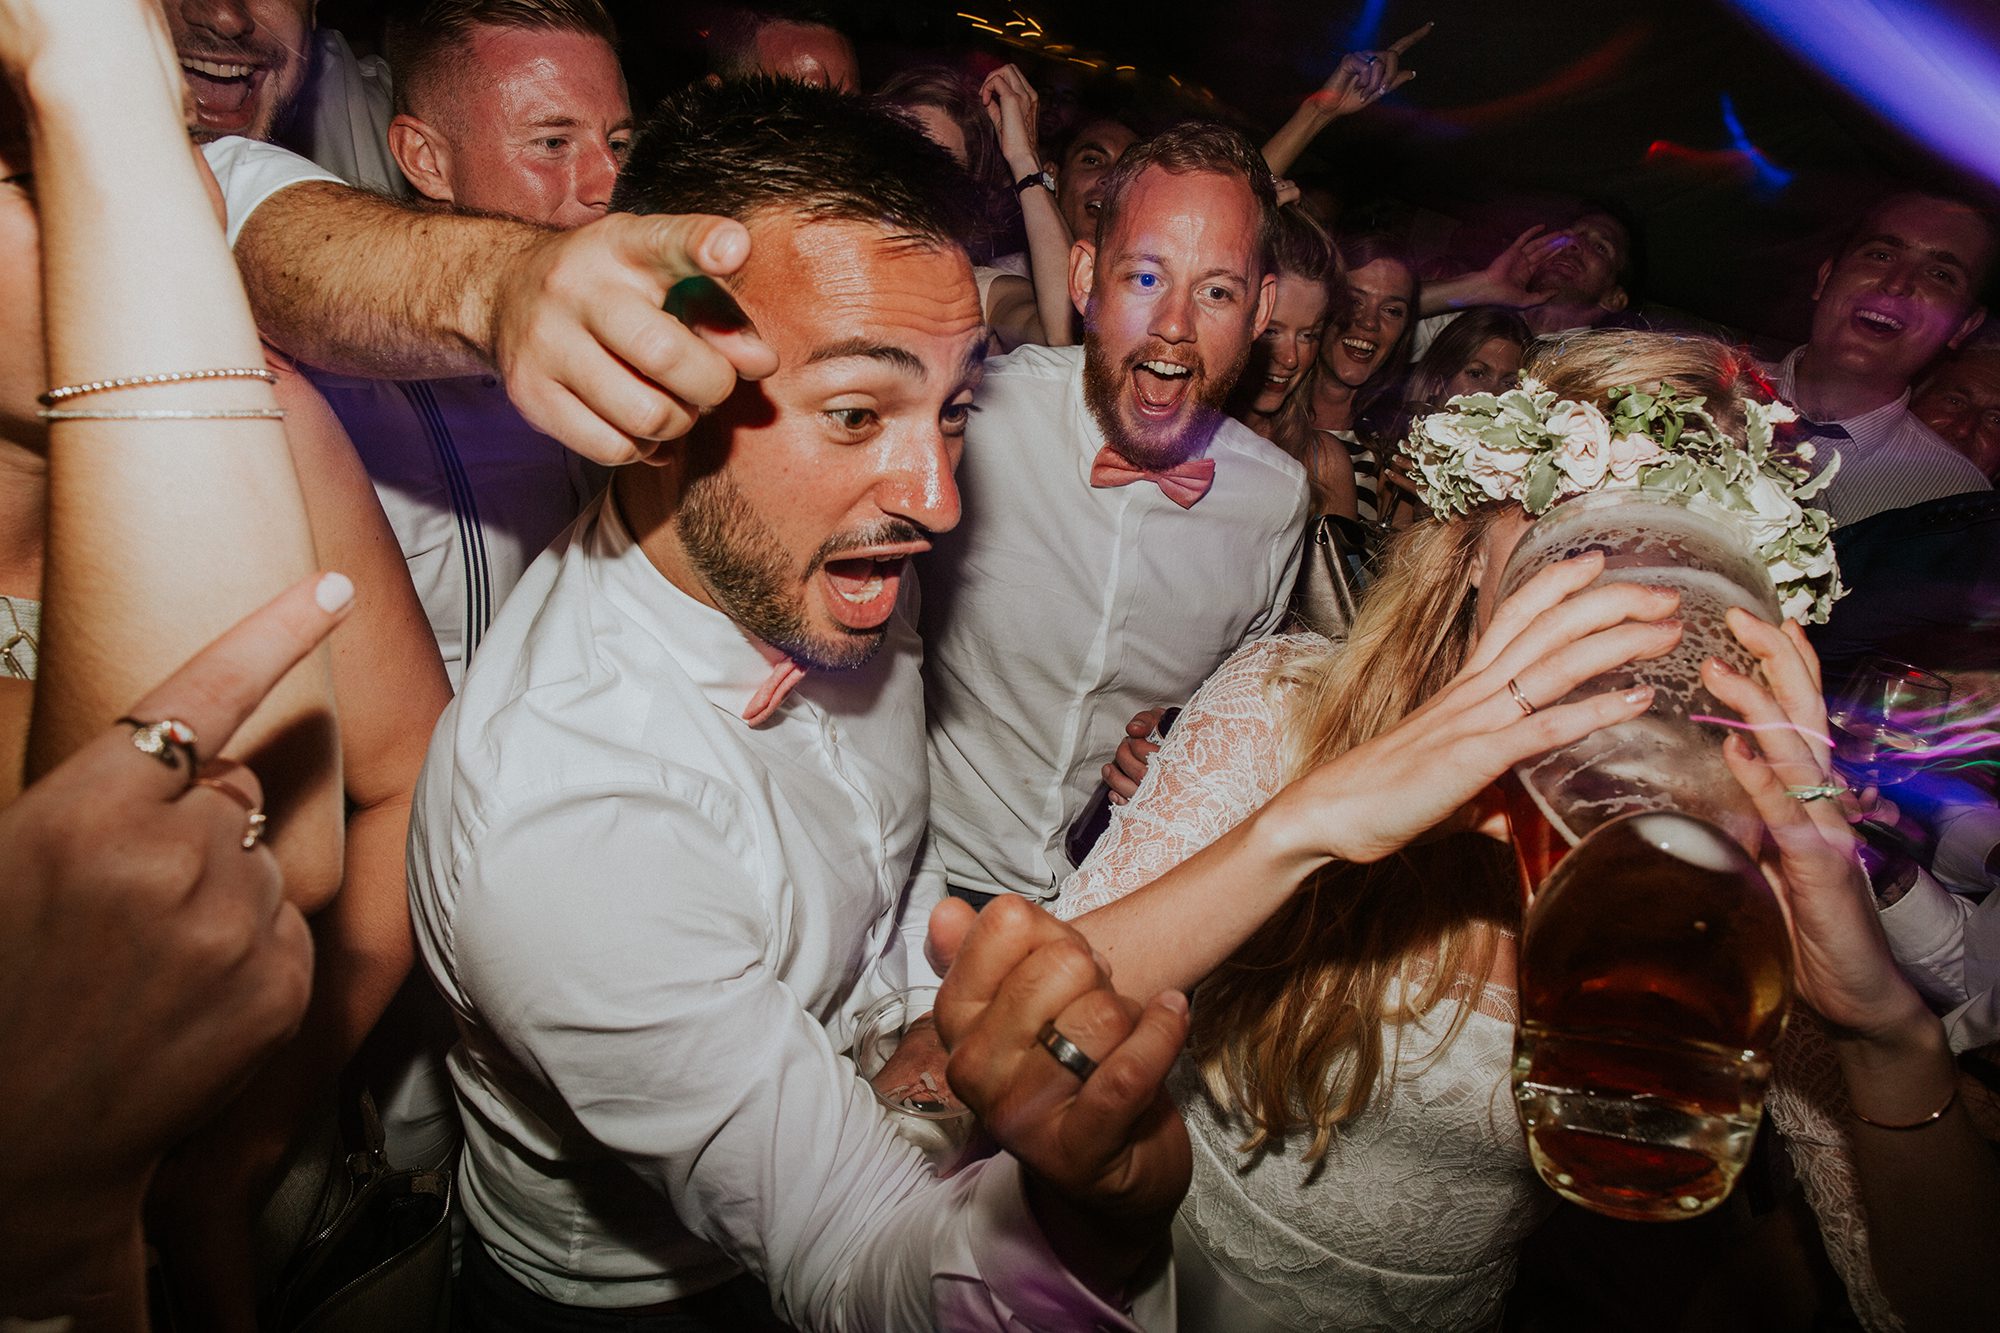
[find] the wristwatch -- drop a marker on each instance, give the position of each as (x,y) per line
(1042,178)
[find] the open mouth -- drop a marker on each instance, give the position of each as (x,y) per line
(224,91)
(1361,349)
(862,589)
(1159,387)
(1877,324)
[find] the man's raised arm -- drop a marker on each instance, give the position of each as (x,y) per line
(358,284)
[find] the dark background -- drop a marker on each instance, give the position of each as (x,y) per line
(1514,103)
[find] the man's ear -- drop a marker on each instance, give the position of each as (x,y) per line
(1267,297)
(1819,283)
(1082,273)
(1614,300)
(1969,327)
(424,157)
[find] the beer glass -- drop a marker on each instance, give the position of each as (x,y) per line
(1670,756)
(922,1108)
(1655,967)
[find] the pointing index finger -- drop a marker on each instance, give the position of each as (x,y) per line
(1408,40)
(223,683)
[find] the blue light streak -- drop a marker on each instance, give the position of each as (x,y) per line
(1922,68)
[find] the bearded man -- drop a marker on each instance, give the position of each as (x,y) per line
(1121,535)
(660,855)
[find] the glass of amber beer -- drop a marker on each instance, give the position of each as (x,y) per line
(1655,966)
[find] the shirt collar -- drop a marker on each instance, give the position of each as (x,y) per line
(1866,428)
(725,662)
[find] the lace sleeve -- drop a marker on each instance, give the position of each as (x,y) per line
(1221,761)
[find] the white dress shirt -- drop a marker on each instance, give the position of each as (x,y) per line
(1056,610)
(472,490)
(656,926)
(251,171)
(1889,460)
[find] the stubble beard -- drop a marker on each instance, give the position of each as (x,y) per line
(745,570)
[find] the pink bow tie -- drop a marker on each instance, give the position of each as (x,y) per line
(1183,483)
(785,674)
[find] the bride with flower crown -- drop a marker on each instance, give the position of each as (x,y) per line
(1305,856)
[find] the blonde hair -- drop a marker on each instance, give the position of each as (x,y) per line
(1288,1033)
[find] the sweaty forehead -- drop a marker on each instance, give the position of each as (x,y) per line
(809,284)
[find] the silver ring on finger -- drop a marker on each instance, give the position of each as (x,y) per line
(1527,705)
(1829,790)
(1066,1052)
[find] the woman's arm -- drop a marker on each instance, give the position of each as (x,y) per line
(390,687)
(1040,310)
(1551,636)
(1931,1189)
(163,533)
(1361,79)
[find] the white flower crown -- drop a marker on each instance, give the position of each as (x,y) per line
(1529,446)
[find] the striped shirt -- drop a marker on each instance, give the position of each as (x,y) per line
(1888,458)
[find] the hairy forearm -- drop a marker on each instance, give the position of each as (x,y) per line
(362,285)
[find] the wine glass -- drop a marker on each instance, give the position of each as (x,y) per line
(1883,721)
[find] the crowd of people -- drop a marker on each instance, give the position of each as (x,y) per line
(531,620)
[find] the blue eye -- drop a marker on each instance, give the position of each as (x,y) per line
(1148,280)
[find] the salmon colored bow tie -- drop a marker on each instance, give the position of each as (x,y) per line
(1183,483)
(785,673)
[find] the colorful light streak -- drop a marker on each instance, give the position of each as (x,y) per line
(1919,66)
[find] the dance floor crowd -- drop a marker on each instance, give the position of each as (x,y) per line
(889,698)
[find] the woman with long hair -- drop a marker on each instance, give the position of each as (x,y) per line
(1305,856)
(1311,287)
(1359,367)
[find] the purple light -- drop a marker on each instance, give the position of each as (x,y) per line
(1922,68)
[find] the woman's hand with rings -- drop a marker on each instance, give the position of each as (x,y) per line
(1551,636)
(1842,965)
(1363,78)
(140,947)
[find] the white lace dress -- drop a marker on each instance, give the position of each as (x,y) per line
(1414,1219)
(1415,1216)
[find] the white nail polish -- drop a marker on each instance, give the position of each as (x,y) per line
(333,592)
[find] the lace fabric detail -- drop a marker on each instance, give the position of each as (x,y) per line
(1807,1103)
(1415,1217)
(1222,760)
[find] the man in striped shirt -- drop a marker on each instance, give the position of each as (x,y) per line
(1904,288)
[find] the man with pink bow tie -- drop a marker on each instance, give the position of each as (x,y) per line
(1121,535)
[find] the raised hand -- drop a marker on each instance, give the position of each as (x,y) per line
(1551,636)
(1363,78)
(1842,964)
(147,958)
(1012,106)
(1106,1149)
(589,352)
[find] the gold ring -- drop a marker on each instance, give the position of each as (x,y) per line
(253,829)
(1067,1053)
(1514,688)
(167,740)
